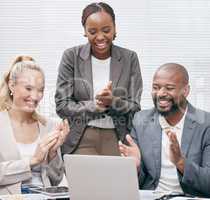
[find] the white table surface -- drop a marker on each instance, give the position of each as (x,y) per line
(143,195)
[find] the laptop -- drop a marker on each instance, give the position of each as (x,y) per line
(101,177)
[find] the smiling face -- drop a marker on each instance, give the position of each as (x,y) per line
(100,31)
(27,90)
(169,92)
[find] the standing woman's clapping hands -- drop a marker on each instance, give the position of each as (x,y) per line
(104,98)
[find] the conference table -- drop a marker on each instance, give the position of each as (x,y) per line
(143,195)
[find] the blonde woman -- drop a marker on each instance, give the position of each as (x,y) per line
(29,145)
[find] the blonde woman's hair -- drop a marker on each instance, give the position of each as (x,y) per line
(20,64)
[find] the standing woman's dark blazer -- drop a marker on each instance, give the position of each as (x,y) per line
(74,91)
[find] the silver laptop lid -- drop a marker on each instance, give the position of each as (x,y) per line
(101,177)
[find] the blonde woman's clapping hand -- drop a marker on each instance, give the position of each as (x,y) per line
(63,129)
(48,146)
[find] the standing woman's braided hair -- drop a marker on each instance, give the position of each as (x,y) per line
(97,7)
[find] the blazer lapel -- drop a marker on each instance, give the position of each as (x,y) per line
(9,144)
(155,132)
(188,130)
(157,143)
(85,69)
(43,130)
(115,66)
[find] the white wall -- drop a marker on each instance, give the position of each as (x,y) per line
(158,30)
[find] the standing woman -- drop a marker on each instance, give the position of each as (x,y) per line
(29,145)
(99,87)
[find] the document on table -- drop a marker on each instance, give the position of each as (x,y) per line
(188,198)
(24,197)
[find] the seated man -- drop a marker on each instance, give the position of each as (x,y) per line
(171,141)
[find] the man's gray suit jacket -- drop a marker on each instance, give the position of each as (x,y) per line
(74,94)
(195,146)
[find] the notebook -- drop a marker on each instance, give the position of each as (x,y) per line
(101,177)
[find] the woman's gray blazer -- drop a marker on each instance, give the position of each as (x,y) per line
(74,93)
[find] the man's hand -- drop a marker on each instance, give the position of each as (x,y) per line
(131,150)
(104,98)
(175,154)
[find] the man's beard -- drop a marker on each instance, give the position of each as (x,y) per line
(175,107)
